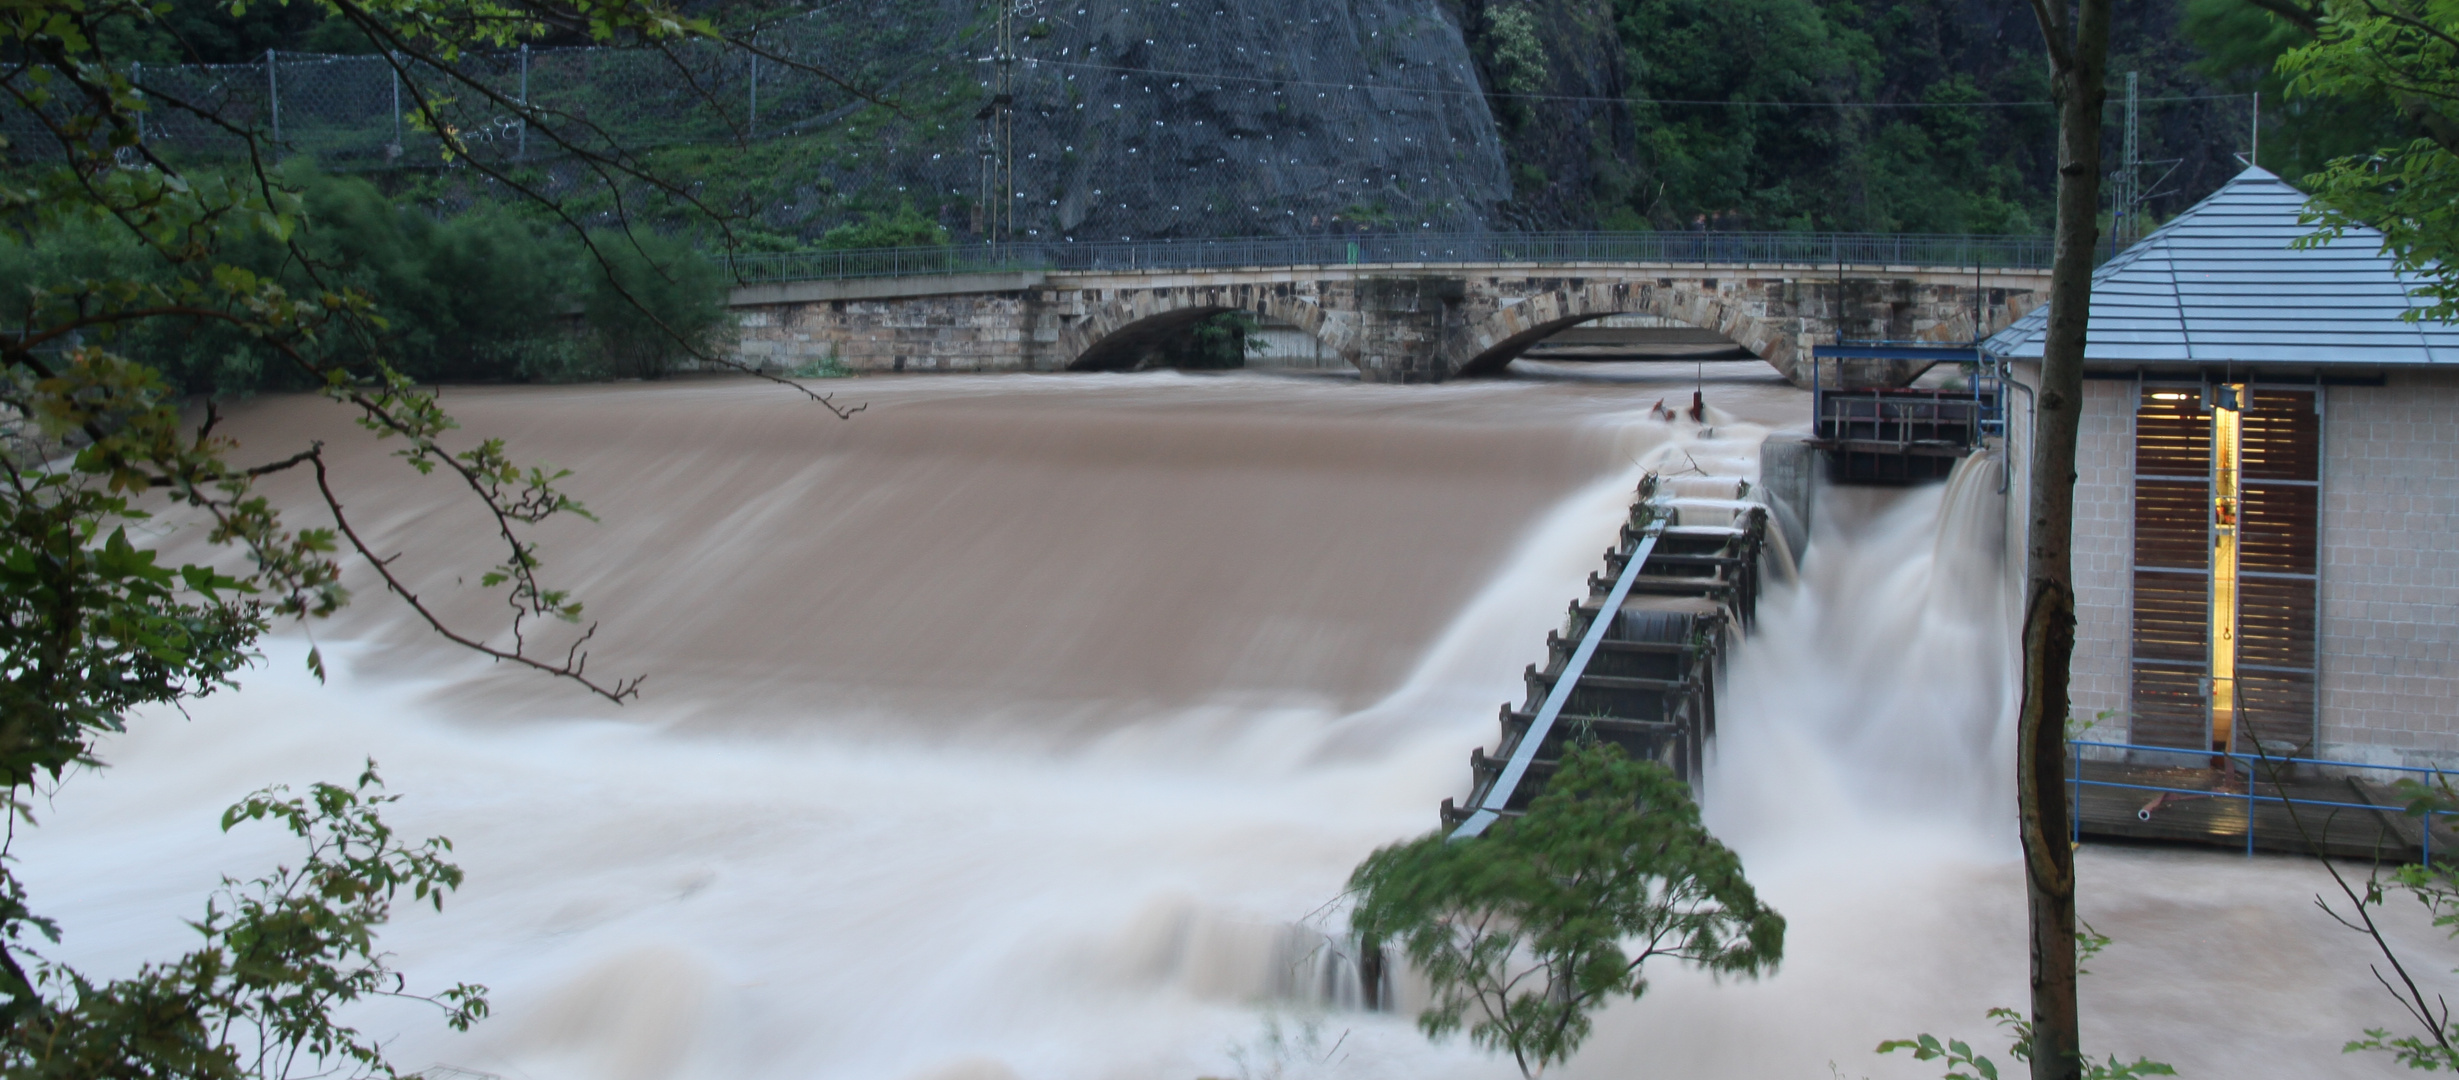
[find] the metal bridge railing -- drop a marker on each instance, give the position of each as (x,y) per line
(1674,248)
(2255,766)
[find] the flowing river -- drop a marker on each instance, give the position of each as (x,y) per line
(1023,728)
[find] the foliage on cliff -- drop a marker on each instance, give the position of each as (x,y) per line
(1821,114)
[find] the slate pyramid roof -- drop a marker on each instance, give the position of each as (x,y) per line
(2220,284)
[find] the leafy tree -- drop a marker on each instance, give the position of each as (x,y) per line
(214,32)
(2403,57)
(1919,115)
(109,246)
(280,954)
(2372,89)
(1527,930)
(2241,45)
(652,281)
(484,295)
(1759,161)
(1935,171)
(1963,1064)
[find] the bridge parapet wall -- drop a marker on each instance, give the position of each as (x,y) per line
(1400,323)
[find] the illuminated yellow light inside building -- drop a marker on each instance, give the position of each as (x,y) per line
(2226,494)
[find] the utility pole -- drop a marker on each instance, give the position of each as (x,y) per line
(521,150)
(998,210)
(2127,191)
(273,95)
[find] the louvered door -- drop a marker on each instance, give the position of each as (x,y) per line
(2172,575)
(2281,458)
(2272,631)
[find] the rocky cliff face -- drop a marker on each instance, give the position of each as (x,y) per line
(1570,148)
(1145,119)
(1209,117)
(1148,119)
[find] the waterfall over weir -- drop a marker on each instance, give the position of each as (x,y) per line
(1023,728)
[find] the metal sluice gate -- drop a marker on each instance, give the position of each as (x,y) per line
(1637,661)
(1902,435)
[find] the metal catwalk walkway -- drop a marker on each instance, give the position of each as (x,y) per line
(1683,577)
(2340,809)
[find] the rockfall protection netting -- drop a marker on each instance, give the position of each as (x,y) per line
(1280,117)
(361,111)
(1126,119)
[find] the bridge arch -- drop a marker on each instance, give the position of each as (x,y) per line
(1494,341)
(1123,331)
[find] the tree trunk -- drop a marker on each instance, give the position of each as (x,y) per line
(2078,44)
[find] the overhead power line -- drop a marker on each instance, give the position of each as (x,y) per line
(1208,76)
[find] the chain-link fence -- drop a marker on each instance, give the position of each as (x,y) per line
(1109,124)
(1155,120)
(371,111)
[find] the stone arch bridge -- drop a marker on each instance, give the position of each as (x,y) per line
(1395,322)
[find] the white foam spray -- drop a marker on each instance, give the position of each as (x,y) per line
(815,900)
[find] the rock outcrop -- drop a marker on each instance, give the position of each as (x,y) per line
(1151,119)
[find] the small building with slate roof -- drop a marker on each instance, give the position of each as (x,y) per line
(2267,499)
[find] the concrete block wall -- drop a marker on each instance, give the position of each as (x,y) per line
(2390,581)
(2103,541)
(2104,545)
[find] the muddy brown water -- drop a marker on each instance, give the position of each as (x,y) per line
(1023,727)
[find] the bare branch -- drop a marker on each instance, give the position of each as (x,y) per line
(574,665)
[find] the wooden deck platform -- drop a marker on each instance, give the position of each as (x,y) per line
(2334,815)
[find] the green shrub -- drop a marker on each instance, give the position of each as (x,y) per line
(905,228)
(662,302)
(1624,219)
(1218,342)
(489,295)
(826,367)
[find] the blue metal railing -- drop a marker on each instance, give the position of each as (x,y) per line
(1989,409)
(1675,248)
(2249,796)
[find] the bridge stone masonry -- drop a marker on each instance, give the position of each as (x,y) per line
(1396,321)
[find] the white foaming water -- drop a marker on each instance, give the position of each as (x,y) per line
(834,896)
(1874,696)
(825,897)
(1863,770)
